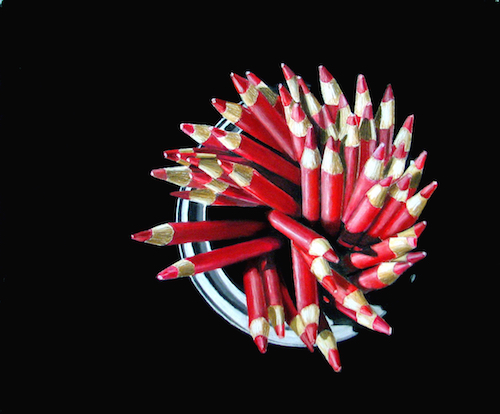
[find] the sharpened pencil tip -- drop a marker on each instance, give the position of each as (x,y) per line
(361,85)
(159,173)
(142,236)
(388,94)
(381,326)
(261,342)
(280,330)
(170,272)
(331,256)
(334,360)
(312,332)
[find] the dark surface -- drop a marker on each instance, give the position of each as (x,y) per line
(84,122)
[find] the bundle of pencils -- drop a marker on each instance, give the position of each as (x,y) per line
(340,201)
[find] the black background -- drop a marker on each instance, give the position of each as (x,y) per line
(89,102)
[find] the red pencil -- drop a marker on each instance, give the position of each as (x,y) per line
(272,288)
(253,151)
(213,169)
(404,135)
(365,213)
(327,344)
(292,82)
(351,158)
(293,318)
(209,198)
(202,134)
(286,100)
(397,196)
(396,165)
(258,323)
(362,98)
(181,154)
(332,189)
(182,175)
(306,293)
(371,321)
(243,118)
(264,112)
(299,126)
(272,97)
(310,172)
(329,130)
(312,105)
(343,114)
(346,294)
(256,184)
(380,276)
(415,169)
(221,257)
(386,250)
(304,237)
(367,136)
(330,91)
(385,119)
(409,214)
(371,174)
(196,231)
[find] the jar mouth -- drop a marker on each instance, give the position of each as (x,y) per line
(222,294)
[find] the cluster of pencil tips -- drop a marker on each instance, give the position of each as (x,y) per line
(340,195)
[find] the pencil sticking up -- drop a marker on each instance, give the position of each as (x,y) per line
(338,204)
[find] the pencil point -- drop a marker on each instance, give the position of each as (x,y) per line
(334,360)
(280,330)
(159,173)
(428,190)
(324,75)
(170,272)
(408,124)
(420,161)
(379,153)
(419,228)
(261,342)
(187,128)
(312,332)
(289,74)
(240,83)
(361,86)
(331,256)
(142,236)
(388,94)
(381,326)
